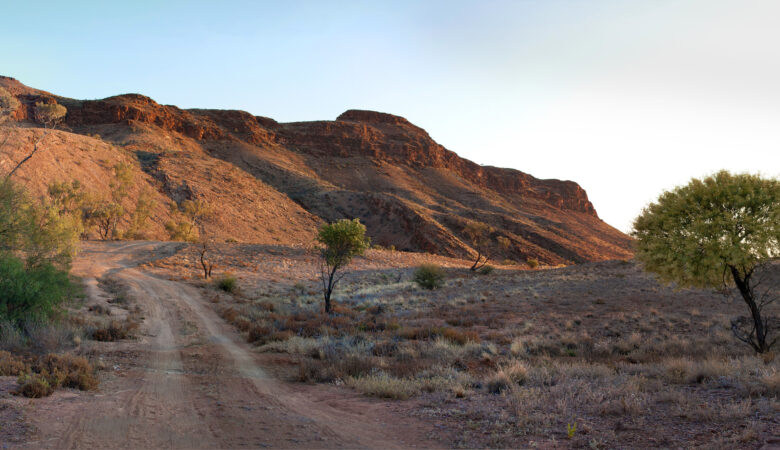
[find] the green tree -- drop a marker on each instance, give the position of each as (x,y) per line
(30,293)
(143,210)
(719,232)
(36,246)
(34,231)
(478,234)
(49,115)
(14,216)
(189,218)
(122,181)
(341,241)
(106,216)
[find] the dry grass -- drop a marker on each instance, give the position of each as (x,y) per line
(519,355)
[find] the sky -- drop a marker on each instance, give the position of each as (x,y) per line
(628,98)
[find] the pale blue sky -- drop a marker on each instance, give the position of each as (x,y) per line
(628,98)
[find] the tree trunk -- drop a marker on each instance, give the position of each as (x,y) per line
(206,268)
(329,289)
(477,264)
(745,290)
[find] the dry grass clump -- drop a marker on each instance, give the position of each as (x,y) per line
(771,382)
(507,377)
(687,371)
(67,371)
(11,365)
(384,386)
(38,337)
(113,330)
(34,385)
(44,376)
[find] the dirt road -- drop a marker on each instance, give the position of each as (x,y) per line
(190,382)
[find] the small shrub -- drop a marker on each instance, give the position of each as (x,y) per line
(68,371)
(11,366)
(498,383)
(258,333)
(280,336)
(11,338)
(532,263)
(486,270)
(310,371)
(506,377)
(49,337)
(460,337)
(429,276)
(114,330)
(33,385)
(354,366)
(384,386)
(771,383)
(228,283)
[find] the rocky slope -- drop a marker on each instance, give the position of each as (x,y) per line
(275,181)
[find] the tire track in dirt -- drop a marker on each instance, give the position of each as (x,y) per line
(196,384)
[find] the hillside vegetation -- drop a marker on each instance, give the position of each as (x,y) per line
(274,182)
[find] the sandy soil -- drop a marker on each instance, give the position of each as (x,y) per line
(190,382)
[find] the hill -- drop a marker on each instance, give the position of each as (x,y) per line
(274,182)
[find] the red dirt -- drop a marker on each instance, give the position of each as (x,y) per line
(190,381)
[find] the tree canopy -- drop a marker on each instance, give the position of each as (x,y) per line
(715,233)
(694,234)
(341,241)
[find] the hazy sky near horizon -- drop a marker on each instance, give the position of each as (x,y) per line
(627,98)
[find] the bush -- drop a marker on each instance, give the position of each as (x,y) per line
(55,371)
(11,338)
(532,263)
(33,385)
(114,330)
(506,377)
(228,283)
(486,270)
(460,337)
(31,292)
(68,371)
(429,276)
(49,337)
(11,366)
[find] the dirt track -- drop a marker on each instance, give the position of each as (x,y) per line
(191,382)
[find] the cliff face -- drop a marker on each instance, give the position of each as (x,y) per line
(412,192)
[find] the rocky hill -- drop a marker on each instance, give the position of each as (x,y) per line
(274,182)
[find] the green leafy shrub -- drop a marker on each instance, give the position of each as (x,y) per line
(34,385)
(486,270)
(228,283)
(532,263)
(429,276)
(31,293)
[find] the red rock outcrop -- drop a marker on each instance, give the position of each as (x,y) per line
(412,192)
